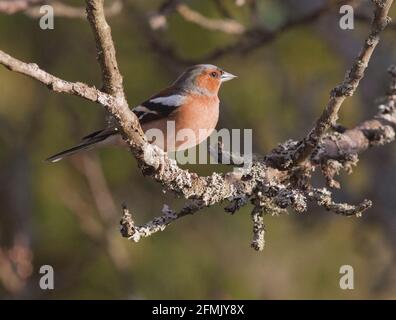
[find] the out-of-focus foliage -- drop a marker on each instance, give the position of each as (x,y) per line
(281,89)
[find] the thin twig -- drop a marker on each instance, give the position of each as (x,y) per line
(62,10)
(323,198)
(54,83)
(133,232)
(224,25)
(106,53)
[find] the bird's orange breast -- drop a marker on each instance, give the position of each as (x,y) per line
(193,123)
(199,112)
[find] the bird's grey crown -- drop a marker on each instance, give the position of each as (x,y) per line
(186,81)
(205,67)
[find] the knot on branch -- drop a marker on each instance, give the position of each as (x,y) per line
(343,90)
(380,136)
(132,232)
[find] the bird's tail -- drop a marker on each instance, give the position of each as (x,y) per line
(88,142)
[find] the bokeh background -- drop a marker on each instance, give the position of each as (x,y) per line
(67,214)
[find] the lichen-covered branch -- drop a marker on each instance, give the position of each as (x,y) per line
(223,25)
(63,10)
(323,197)
(54,83)
(136,233)
(339,151)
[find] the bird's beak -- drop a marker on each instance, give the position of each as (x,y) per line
(227,76)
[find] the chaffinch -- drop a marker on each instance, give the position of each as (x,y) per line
(191,104)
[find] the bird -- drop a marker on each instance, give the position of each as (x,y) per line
(190,103)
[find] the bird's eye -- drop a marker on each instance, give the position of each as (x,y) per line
(213,74)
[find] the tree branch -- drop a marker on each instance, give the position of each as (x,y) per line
(66,11)
(136,233)
(350,83)
(323,198)
(54,83)
(106,53)
(224,25)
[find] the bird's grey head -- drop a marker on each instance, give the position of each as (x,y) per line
(203,78)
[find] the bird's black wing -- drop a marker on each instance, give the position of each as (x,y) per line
(159,106)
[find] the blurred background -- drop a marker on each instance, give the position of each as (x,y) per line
(67,214)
